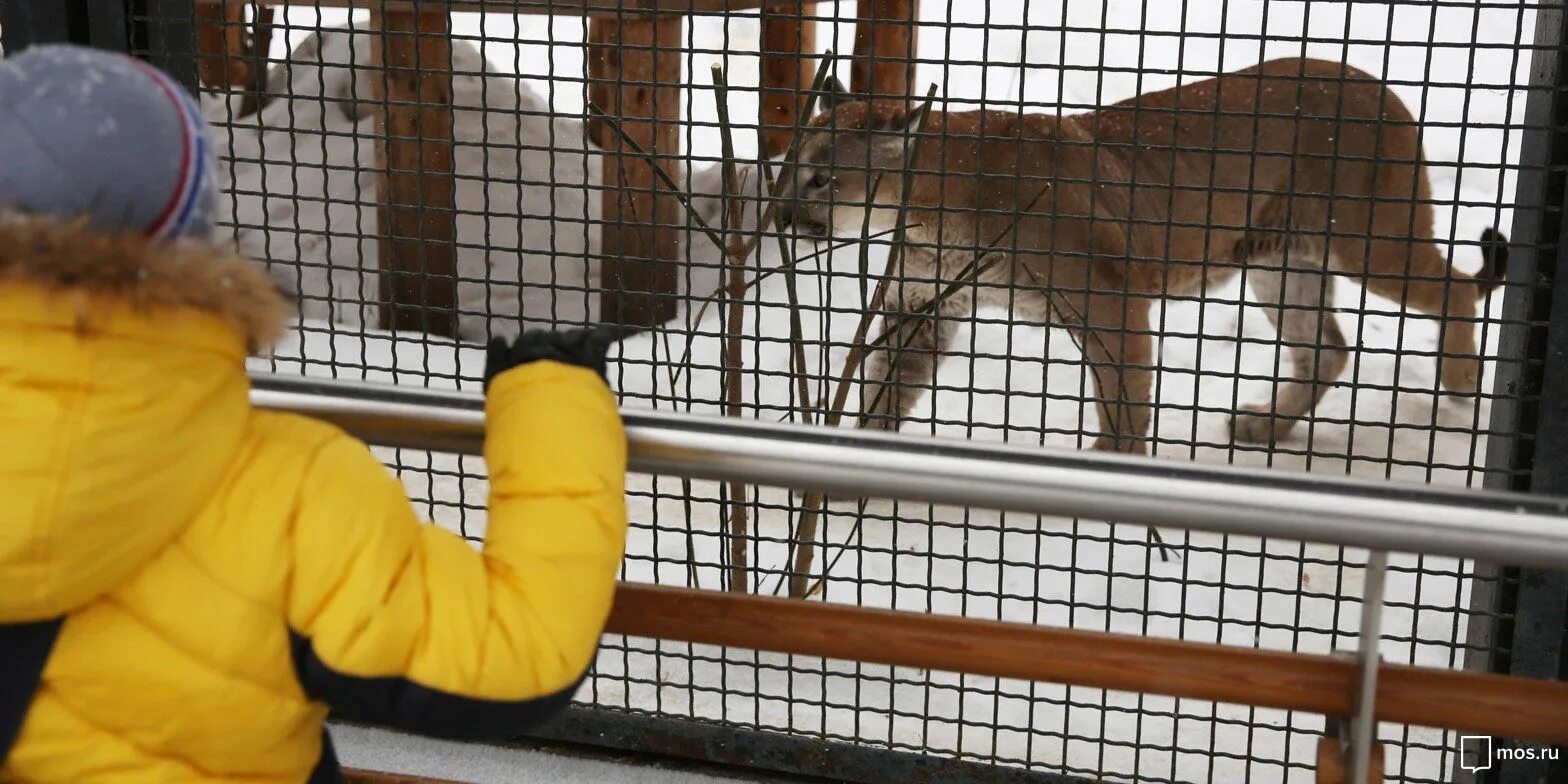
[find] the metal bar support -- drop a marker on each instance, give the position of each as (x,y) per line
(1364,725)
(24,23)
(99,23)
(167,34)
(1500,527)
(1520,614)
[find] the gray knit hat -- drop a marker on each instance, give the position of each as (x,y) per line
(96,135)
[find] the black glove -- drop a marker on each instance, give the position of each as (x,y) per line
(583,347)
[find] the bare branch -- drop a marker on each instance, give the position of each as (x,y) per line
(731,326)
(811,514)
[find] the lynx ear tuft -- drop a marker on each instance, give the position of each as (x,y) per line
(909,118)
(897,119)
(834,93)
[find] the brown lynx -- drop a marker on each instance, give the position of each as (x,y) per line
(1293,172)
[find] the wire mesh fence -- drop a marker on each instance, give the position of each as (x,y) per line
(1254,231)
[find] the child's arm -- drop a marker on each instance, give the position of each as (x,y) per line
(402,623)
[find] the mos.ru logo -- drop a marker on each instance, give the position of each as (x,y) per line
(1480,752)
(1475,752)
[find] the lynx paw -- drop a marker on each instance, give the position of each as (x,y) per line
(1126,445)
(1460,376)
(1255,424)
(885,412)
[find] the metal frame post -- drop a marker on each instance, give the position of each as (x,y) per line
(1521,613)
(108,25)
(98,23)
(24,23)
(166,31)
(16,25)
(1363,727)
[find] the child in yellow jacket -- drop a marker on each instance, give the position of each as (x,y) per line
(188,585)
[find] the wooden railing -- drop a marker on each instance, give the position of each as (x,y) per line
(1469,702)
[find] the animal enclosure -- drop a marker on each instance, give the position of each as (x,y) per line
(1309,236)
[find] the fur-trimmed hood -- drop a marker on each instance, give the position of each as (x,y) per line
(123,401)
(144,274)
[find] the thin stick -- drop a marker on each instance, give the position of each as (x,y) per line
(835,409)
(675,190)
(972,272)
(806,531)
(718,291)
(797,339)
(768,215)
(983,262)
(796,330)
(731,326)
(1059,303)
(680,196)
(691,543)
(806,526)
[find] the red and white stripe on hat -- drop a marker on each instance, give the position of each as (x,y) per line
(175,217)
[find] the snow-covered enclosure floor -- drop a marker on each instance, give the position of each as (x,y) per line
(480,763)
(298,184)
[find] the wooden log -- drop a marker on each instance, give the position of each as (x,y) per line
(231,53)
(220,44)
(417,219)
(1479,703)
(641,239)
(603,65)
(260,49)
(1334,768)
(884,63)
(788,41)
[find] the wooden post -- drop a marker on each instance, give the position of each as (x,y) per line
(231,54)
(220,36)
(788,41)
(1332,767)
(641,238)
(603,64)
(417,219)
(885,30)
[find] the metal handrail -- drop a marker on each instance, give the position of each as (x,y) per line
(1504,528)
(565,7)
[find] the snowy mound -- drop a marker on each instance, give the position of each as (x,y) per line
(301,176)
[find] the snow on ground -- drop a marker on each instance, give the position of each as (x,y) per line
(481,763)
(1025,387)
(527,194)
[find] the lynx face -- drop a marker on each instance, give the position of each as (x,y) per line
(850,148)
(814,189)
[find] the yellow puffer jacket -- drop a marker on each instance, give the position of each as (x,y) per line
(225,574)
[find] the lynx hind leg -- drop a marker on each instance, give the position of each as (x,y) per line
(917,332)
(1418,278)
(1294,302)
